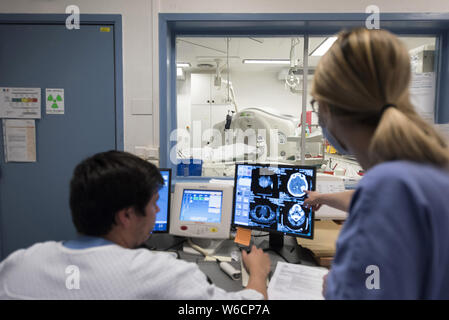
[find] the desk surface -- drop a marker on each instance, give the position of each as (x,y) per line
(213,271)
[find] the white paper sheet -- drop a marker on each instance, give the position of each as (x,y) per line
(19,137)
(22,103)
(422,94)
(296,282)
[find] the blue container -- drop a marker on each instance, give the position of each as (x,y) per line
(193,168)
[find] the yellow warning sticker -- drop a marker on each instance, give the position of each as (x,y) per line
(105,29)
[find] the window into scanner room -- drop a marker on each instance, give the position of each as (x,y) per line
(240,99)
(234,102)
(422,91)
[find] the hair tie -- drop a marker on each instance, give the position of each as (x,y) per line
(385,107)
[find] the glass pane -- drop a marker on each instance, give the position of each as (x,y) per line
(316,145)
(422,91)
(422,86)
(237,101)
(240,99)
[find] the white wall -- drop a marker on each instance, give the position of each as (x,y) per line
(140,50)
(250,91)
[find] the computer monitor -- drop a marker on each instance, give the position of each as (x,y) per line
(270,197)
(163,216)
(202,211)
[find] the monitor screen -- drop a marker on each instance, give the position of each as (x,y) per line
(201,210)
(201,206)
(163,203)
(271,198)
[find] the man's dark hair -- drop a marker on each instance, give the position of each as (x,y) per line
(106,183)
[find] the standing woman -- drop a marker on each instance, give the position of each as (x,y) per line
(395,242)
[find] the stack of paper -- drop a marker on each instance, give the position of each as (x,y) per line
(296,282)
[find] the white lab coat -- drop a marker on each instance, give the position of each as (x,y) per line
(49,270)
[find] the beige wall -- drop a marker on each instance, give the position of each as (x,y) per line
(295,6)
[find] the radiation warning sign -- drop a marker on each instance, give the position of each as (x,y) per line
(54,101)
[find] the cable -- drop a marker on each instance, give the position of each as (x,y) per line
(261,235)
(197,248)
(226,267)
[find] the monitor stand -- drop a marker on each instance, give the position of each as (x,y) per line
(291,253)
(163,241)
(210,246)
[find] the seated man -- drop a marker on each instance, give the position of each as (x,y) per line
(113,199)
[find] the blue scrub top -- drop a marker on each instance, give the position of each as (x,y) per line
(395,242)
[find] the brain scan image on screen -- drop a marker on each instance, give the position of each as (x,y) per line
(293,218)
(297,184)
(296,216)
(263,214)
(271,198)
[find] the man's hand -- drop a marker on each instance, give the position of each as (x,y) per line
(257,262)
(258,265)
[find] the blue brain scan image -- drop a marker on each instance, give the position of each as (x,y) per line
(296,216)
(297,184)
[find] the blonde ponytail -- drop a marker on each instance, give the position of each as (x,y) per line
(401,136)
(361,73)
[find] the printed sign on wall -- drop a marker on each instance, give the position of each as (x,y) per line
(20,103)
(19,138)
(54,101)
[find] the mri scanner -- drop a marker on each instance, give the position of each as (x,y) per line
(252,135)
(262,129)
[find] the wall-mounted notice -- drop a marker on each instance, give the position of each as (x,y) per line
(20,103)
(422,94)
(19,139)
(54,101)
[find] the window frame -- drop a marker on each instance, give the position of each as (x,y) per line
(172,25)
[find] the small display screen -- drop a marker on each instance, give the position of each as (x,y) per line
(271,198)
(163,203)
(201,206)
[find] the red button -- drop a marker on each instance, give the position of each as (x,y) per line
(184,228)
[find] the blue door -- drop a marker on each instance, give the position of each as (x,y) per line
(34,197)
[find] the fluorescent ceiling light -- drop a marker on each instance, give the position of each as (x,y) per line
(323,47)
(179,72)
(266,61)
(183,65)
